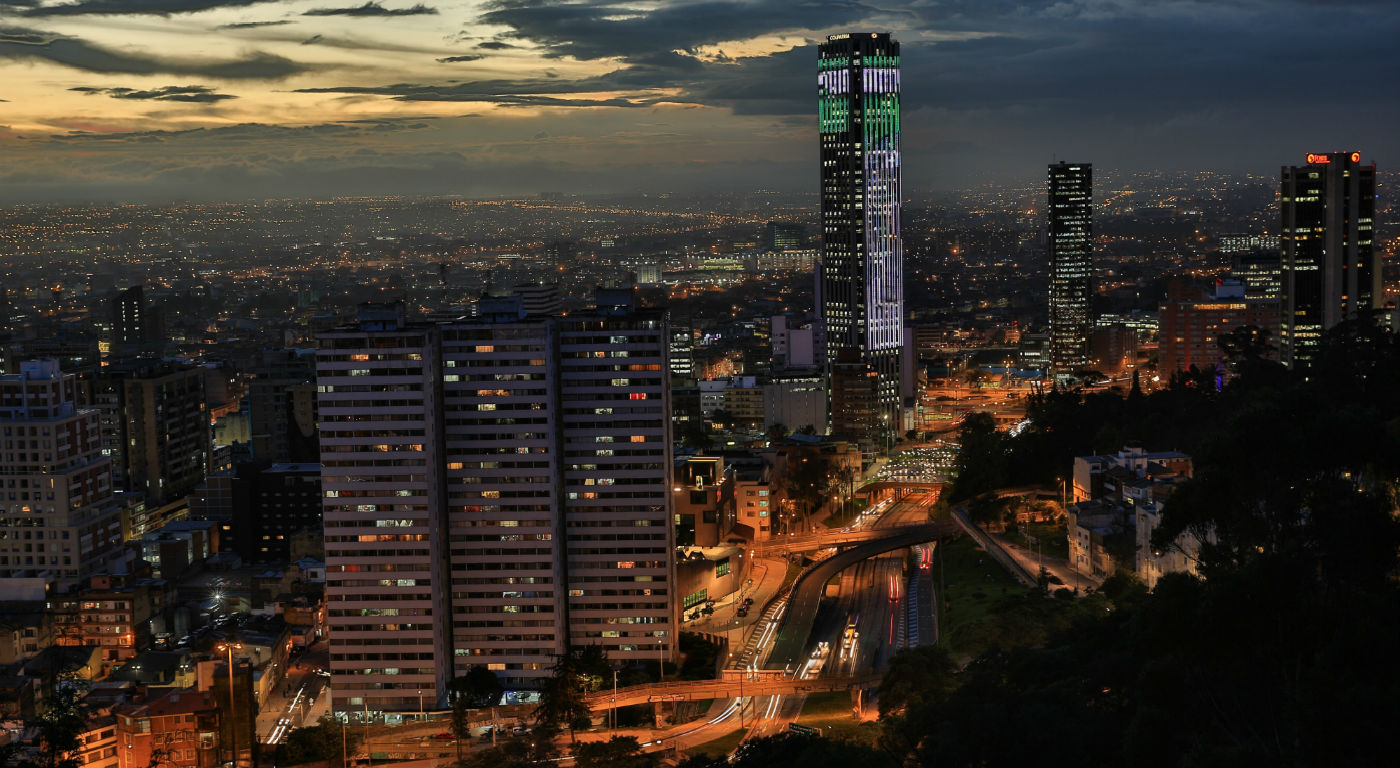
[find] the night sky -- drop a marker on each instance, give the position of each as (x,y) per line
(178,99)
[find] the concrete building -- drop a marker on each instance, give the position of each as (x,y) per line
(281,404)
(155,426)
(1117,503)
(172,726)
(1193,320)
(1330,268)
(57,511)
(495,492)
(796,402)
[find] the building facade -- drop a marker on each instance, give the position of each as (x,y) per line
(58,516)
(155,426)
(1193,320)
(1070,248)
(495,493)
(861,288)
(1330,270)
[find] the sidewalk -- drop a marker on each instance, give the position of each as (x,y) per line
(1058,567)
(768,574)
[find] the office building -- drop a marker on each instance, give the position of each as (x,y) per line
(1070,244)
(782,236)
(495,492)
(58,517)
(1193,320)
(1261,273)
(861,289)
(682,351)
(1330,270)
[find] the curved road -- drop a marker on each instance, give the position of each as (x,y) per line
(790,646)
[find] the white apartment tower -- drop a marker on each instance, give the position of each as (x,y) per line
(58,518)
(495,492)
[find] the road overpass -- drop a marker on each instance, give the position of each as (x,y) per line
(781,545)
(789,648)
(730,687)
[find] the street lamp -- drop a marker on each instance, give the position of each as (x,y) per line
(232,717)
(421,716)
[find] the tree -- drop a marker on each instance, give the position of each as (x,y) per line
(796,750)
(915,674)
(617,752)
(57,727)
(318,743)
(777,431)
(575,675)
(479,687)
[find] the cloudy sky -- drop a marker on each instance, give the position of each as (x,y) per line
(177,99)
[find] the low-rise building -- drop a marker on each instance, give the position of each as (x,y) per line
(1117,505)
(178,728)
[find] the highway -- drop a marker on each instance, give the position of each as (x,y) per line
(794,641)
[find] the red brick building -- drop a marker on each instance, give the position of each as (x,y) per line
(1193,319)
(179,728)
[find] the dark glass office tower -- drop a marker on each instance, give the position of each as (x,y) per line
(1330,272)
(861,286)
(1071,248)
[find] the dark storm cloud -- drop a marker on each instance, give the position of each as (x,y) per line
(134,7)
(503,92)
(193,94)
(30,45)
(254,24)
(609,29)
(455,59)
(496,45)
(373,9)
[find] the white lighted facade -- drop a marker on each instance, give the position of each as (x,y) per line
(861,291)
(1070,243)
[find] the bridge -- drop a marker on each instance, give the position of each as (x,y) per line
(730,687)
(781,545)
(789,648)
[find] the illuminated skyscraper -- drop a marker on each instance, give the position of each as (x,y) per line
(861,286)
(1330,272)
(1071,248)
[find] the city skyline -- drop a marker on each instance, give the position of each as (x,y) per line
(316,98)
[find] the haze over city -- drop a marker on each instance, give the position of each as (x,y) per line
(229,99)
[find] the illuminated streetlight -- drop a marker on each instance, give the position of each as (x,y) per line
(233,719)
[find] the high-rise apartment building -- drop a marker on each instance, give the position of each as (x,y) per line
(134,322)
(58,518)
(496,491)
(1070,244)
(155,426)
(1330,270)
(281,404)
(861,288)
